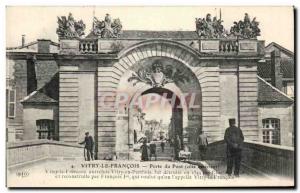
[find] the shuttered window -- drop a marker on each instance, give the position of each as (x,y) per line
(11,103)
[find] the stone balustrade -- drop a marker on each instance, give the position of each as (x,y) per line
(264,158)
(247,47)
(24,152)
(88,46)
(228,46)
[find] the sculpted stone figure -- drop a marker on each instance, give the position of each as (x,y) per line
(246,28)
(68,28)
(208,28)
(107,28)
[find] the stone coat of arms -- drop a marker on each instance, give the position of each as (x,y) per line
(158,76)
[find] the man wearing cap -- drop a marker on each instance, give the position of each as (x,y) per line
(88,145)
(234,139)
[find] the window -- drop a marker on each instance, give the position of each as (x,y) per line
(45,128)
(10,103)
(271,131)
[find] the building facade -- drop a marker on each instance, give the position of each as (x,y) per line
(276,96)
(83,88)
(29,67)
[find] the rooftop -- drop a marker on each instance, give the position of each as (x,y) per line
(33,47)
(48,94)
(286,67)
(282,49)
(38,97)
(270,94)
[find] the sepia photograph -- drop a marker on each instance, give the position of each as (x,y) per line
(150,96)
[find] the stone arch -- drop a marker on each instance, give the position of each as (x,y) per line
(109,78)
(163,48)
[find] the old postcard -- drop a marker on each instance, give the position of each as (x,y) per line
(150,96)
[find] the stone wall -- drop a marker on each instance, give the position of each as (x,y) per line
(209,79)
(18,81)
(248,100)
(283,112)
(45,70)
(30,151)
(77,100)
(107,79)
(229,98)
(31,113)
(68,105)
(263,158)
(86,104)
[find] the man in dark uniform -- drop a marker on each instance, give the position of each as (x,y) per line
(88,146)
(234,139)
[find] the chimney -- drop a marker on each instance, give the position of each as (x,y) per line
(44,46)
(276,75)
(31,74)
(23,40)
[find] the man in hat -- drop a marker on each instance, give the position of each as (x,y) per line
(234,139)
(88,146)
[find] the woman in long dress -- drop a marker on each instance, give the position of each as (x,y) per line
(144,149)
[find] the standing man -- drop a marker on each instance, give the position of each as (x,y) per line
(88,146)
(202,144)
(162,144)
(234,139)
(177,147)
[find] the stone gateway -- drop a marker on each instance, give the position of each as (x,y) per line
(206,75)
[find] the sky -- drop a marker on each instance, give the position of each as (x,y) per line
(276,23)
